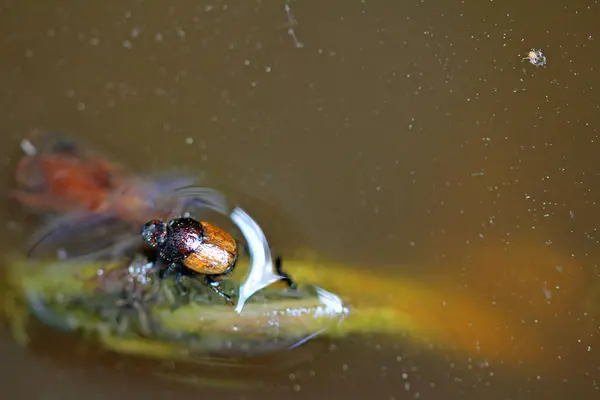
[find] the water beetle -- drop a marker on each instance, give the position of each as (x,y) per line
(199,247)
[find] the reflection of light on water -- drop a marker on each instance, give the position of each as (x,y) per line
(261,275)
(333,303)
(261,272)
(139,271)
(28,148)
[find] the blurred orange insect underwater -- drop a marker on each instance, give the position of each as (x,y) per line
(83,195)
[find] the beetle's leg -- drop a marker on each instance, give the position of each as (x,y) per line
(173,268)
(144,319)
(286,277)
(124,304)
(179,284)
(166,290)
(214,285)
(163,272)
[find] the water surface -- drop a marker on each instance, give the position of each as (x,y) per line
(386,135)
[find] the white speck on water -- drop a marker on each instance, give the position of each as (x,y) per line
(189,140)
(127,44)
(559,268)
(94,41)
(292,22)
(81,106)
(28,148)
(135,32)
(547,293)
(158,37)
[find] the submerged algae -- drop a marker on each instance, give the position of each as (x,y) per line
(128,310)
(430,314)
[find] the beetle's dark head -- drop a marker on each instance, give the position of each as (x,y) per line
(154,232)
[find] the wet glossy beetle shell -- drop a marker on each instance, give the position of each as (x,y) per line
(199,246)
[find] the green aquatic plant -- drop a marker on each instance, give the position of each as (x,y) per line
(127,309)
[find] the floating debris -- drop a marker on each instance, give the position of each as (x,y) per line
(292,22)
(536,57)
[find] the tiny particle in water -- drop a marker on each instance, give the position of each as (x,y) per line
(189,140)
(559,268)
(28,148)
(127,44)
(547,293)
(536,57)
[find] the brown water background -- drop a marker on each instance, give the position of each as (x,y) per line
(405,135)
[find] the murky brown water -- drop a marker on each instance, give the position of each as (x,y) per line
(404,135)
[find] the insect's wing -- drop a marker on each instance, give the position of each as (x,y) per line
(84,236)
(116,232)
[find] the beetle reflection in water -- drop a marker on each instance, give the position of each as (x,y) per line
(192,247)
